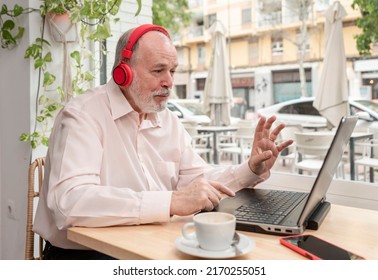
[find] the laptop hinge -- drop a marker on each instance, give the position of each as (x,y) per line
(318,216)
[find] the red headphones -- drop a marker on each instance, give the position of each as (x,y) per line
(122,74)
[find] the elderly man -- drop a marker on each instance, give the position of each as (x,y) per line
(118,156)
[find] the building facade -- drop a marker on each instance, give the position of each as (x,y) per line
(264,40)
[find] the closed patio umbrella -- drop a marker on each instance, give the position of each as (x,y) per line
(218,89)
(332,97)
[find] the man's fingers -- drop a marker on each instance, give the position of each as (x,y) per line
(210,206)
(284,145)
(221,188)
(216,192)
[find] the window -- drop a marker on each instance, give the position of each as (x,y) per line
(181,91)
(253,51)
(288,76)
(201,54)
(321,5)
(180,56)
(200,84)
(195,4)
(277,46)
(286,84)
(304,108)
(246,16)
(210,19)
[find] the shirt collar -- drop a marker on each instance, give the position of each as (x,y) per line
(120,106)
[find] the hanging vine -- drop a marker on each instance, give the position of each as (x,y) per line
(93,18)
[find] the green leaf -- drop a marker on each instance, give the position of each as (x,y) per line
(139,7)
(48,79)
(33,51)
(43,100)
(39,63)
(8,24)
(45,141)
(48,115)
(35,134)
(60,91)
(21,31)
(42,41)
(34,144)
(17,10)
(52,107)
(4,9)
(40,119)
(101,33)
(48,57)
(75,15)
(88,76)
(76,56)
(8,36)
(24,137)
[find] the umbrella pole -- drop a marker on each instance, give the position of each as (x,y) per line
(217,115)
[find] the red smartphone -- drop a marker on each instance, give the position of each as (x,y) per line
(315,248)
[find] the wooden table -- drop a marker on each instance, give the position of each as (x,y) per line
(354,229)
(215,130)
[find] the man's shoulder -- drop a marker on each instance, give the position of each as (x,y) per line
(95,97)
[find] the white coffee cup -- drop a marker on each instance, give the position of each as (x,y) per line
(214,231)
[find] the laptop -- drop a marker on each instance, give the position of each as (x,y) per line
(252,206)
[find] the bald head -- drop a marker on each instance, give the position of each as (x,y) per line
(125,39)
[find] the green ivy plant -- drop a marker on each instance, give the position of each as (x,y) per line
(94,18)
(10,29)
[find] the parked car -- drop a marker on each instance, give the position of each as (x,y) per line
(188,110)
(301,111)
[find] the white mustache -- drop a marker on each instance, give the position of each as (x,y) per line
(164,91)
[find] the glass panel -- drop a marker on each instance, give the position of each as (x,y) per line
(289,91)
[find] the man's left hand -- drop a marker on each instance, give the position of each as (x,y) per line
(265,150)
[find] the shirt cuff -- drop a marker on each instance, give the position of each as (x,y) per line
(246,177)
(155,207)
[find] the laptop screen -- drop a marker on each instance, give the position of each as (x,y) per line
(330,164)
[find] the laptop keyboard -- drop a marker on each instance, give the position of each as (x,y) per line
(271,208)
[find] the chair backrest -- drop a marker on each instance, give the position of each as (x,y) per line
(247,123)
(289,132)
(313,143)
(244,135)
(191,128)
(245,131)
(192,131)
(36,172)
(369,147)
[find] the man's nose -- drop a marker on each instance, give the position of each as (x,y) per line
(167,80)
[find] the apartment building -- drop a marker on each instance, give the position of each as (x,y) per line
(264,50)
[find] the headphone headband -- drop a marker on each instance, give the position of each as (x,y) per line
(137,33)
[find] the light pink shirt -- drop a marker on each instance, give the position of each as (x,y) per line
(105,168)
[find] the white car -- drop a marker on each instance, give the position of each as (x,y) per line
(188,110)
(301,112)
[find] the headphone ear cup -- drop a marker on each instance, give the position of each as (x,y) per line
(123,75)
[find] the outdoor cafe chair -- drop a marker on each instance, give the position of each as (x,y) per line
(200,141)
(311,149)
(288,154)
(240,146)
(35,178)
(368,159)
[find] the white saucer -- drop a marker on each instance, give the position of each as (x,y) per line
(191,247)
